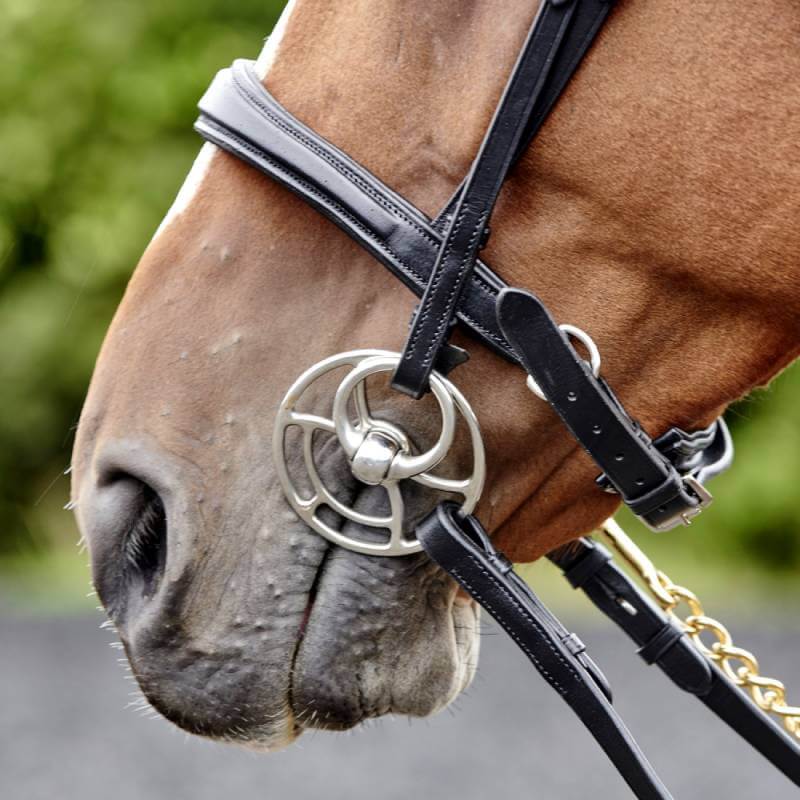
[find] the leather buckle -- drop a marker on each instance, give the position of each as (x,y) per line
(684,516)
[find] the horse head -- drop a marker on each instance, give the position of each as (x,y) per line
(656,211)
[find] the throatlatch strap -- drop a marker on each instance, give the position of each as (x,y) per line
(461,547)
(432,321)
(588,566)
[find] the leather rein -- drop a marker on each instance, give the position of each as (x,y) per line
(661,480)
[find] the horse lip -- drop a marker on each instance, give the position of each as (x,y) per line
(303,627)
(304,621)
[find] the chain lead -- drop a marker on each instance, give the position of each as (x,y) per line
(740,665)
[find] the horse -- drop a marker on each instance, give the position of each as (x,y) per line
(656,209)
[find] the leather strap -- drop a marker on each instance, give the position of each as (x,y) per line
(584,27)
(461,547)
(646,480)
(662,643)
(702,454)
(431,324)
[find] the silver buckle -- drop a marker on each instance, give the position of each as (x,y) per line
(685,518)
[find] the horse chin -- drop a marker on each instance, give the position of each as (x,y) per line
(384,636)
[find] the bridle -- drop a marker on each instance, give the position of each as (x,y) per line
(663,481)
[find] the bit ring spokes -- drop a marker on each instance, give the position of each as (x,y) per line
(404,464)
(379,453)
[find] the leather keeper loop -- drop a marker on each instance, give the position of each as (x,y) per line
(574,644)
(664,495)
(587,567)
(660,643)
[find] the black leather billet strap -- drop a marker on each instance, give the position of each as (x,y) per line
(239,115)
(588,566)
(646,480)
(430,326)
(461,547)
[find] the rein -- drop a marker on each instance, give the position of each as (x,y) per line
(662,480)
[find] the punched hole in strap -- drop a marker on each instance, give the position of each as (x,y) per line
(660,643)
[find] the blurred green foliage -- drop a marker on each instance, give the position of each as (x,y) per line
(97,98)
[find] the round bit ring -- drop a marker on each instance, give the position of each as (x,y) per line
(379,453)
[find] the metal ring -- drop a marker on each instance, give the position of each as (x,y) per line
(593,363)
(308,501)
(404,465)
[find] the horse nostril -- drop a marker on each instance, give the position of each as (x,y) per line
(125,524)
(145,545)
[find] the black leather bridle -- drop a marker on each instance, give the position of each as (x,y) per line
(661,480)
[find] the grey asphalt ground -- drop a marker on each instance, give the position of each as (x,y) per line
(64,734)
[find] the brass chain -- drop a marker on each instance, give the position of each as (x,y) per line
(740,665)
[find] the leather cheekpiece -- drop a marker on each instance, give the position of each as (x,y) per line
(466,231)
